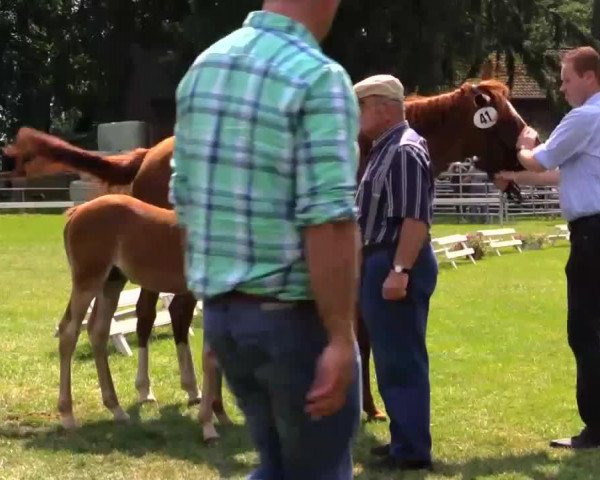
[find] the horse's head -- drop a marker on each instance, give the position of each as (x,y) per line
(493,129)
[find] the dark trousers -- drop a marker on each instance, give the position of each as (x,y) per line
(398,331)
(583,322)
(268,352)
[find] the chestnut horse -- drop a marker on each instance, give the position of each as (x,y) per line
(447,121)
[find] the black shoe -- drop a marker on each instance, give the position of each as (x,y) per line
(381,450)
(579,442)
(394,463)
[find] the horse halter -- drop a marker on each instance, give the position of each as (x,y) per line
(482,100)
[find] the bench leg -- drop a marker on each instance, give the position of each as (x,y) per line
(472,259)
(121,344)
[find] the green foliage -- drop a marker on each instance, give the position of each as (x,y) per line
(65,64)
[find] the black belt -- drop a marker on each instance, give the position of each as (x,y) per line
(585,222)
(237,296)
(378,247)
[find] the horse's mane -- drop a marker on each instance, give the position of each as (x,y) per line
(431,111)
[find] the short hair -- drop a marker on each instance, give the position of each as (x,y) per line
(584,59)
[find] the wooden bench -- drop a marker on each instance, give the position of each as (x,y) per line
(562,232)
(124,320)
(452,247)
(501,238)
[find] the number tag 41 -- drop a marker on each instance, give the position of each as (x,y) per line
(485,117)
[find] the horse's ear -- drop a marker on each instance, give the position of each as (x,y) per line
(480,98)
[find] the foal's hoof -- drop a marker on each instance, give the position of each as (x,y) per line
(194,401)
(149,398)
(120,416)
(210,435)
(68,423)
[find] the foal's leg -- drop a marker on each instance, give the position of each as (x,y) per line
(69,329)
(181,310)
(99,329)
(364,345)
(146,314)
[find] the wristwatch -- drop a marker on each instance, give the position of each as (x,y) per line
(401,269)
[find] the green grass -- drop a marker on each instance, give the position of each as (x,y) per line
(501,372)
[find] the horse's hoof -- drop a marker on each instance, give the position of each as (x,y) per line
(68,422)
(211,442)
(210,435)
(223,419)
(194,401)
(120,416)
(150,398)
(376,417)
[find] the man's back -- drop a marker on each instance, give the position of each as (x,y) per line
(265,140)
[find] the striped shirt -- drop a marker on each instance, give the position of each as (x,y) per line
(264,147)
(406,185)
(574,147)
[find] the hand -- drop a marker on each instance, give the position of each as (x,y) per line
(527,139)
(334,375)
(395,285)
(506,175)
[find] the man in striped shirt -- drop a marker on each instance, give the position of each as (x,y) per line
(264,182)
(399,271)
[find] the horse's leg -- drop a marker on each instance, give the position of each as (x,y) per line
(209,394)
(99,329)
(69,329)
(146,314)
(217,405)
(364,345)
(181,310)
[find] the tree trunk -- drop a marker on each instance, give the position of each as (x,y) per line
(596,20)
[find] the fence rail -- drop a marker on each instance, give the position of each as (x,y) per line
(467,197)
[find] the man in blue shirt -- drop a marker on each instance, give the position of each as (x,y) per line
(399,271)
(574,148)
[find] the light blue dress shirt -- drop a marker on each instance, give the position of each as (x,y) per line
(574,147)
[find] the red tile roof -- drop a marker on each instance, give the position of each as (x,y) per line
(524,86)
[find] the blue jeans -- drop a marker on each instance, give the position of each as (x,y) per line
(268,353)
(397,330)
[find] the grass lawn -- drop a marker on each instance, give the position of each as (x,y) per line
(501,372)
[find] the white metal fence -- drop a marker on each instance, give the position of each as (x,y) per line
(462,196)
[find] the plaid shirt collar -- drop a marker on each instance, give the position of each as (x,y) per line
(274,22)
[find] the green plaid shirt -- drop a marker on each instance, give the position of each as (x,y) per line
(264,146)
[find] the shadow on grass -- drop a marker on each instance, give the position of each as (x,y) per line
(172,434)
(535,465)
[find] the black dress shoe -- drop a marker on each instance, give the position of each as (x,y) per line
(394,463)
(381,450)
(585,439)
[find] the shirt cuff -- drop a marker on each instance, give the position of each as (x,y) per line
(541,155)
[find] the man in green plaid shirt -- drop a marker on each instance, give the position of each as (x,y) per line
(263,182)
